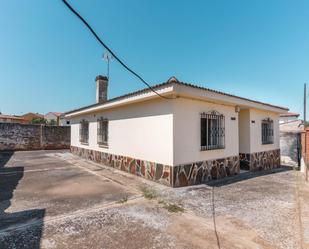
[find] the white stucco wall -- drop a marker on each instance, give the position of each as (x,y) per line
(187,132)
(142,131)
(256,131)
(244,131)
(168,131)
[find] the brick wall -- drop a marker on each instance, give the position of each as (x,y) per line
(303,143)
(15,136)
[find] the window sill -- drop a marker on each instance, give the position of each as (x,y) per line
(217,148)
(103,146)
(84,143)
(267,143)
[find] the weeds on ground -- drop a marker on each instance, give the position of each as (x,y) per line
(123,200)
(161,202)
(148,193)
(173,208)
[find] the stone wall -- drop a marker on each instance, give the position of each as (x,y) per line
(149,170)
(201,172)
(260,160)
(177,176)
(14,136)
(56,137)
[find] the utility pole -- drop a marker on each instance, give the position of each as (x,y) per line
(305,131)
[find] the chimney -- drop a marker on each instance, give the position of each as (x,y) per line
(101,88)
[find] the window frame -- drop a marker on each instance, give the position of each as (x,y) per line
(210,141)
(267,131)
(100,132)
(84,131)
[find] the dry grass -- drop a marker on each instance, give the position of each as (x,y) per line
(148,193)
(173,208)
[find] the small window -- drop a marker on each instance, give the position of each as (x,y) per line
(267,131)
(212,131)
(84,131)
(103,132)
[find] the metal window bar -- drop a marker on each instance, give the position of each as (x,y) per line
(102,132)
(212,131)
(267,131)
(84,131)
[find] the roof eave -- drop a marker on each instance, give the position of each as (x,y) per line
(185,90)
(165,90)
(180,89)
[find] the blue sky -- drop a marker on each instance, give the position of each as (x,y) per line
(254,49)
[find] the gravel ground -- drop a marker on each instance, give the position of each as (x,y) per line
(265,203)
(56,200)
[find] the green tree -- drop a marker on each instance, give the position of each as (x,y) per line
(38,121)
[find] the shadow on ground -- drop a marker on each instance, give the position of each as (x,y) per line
(13,231)
(246,176)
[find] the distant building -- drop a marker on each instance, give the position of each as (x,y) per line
(290,122)
(290,138)
(287,117)
(53,117)
(30,116)
(64,121)
(12,119)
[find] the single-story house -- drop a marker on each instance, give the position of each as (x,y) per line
(187,135)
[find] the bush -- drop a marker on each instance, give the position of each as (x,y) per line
(38,121)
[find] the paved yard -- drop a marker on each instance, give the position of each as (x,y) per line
(52,199)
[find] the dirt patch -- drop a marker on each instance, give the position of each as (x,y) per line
(228,233)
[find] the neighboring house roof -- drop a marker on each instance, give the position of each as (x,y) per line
(32,114)
(57,114)
(3,116)
(289,114)
(167,88)
(292,126)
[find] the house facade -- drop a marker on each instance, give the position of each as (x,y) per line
(188,135)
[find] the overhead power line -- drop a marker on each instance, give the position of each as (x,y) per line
(111,52)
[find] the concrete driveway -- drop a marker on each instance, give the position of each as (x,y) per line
(52,199)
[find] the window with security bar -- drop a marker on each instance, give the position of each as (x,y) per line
(84,131)
(103,132)
(212,131)
(267,131)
